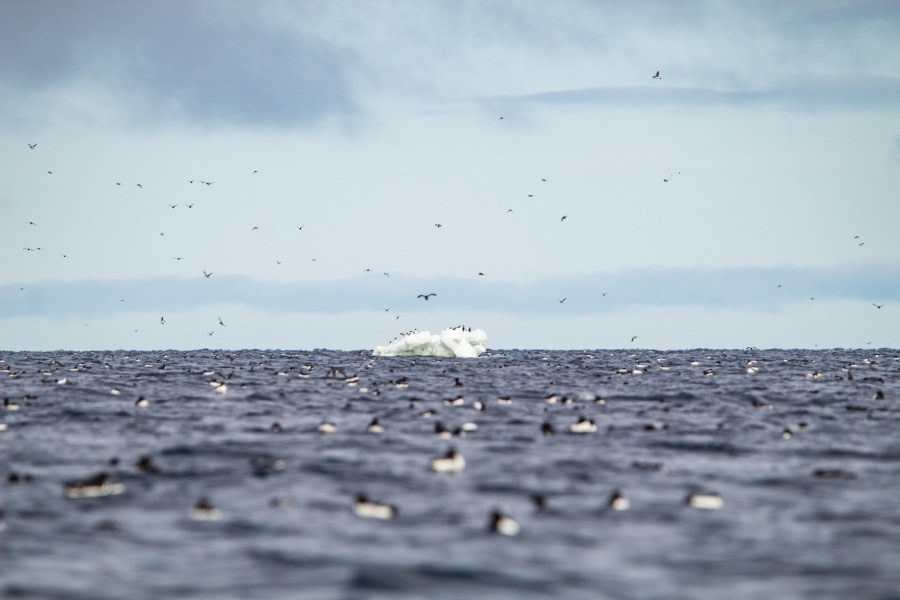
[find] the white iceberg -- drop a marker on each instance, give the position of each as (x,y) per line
(456,341)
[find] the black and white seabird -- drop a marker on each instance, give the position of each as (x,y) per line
(368,509)
(503,524)
(618,501)
(204,511)
(95,486)
(657,76)
(450,462)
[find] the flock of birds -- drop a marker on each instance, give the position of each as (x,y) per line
(424,296)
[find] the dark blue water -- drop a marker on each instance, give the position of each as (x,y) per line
(810,512)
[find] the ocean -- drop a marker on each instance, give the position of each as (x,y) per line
(691,474)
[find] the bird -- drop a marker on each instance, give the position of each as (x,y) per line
(254,172)
(191,180)
(300,227)
(564,217)
(710,501)
(367,509)
(172,205)
(191,205)
(387,309)
(634,337)
(503,524)
(563,300)
(139,185)
(222,323)
(210,332)
(877,305)
(208,182)
(438,225)
(657,76)
(618,501)
(32,146)
(426,296)
(204,511)
(207,275)
(177,258)
(31,223)
(450,462)
(162,320)
(544,179)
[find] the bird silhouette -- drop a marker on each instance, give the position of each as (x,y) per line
(564,217)
(162,320)
(563,300)
(877,305)
(634,337)
(222,323)
(426,296)
(657,76)
(32,146)
(207,275)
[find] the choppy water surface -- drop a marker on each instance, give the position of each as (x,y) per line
(803,448)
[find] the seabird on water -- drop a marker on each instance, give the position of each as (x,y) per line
(503,524)
(368,509)
(450,462)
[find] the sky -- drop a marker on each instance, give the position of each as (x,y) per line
(325,163)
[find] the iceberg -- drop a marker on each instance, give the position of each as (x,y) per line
(455,341)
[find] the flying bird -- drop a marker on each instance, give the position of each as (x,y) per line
(634,337)
(657,76)
(426,296)
(222,323)
(32,146)
(139,185)
(438,225)
(162,320)
(191,205)
(205,274)
(564,217)
(877,305)
(563,300)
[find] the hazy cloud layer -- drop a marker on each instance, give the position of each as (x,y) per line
(763,288)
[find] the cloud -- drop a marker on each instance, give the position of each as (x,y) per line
(763,288)
(803,92)
(170,59)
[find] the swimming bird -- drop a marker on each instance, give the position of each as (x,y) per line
(657,76)
(208,182)
(426,296)
(326,427)
(204,511)
(368,509)
(449,462)
(95,486)
(503,524)
(618,501)
(583,425)
(32,146)
(172,205)
(374,426)
(708,501)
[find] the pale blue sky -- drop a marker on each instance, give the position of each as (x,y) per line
(705,208)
